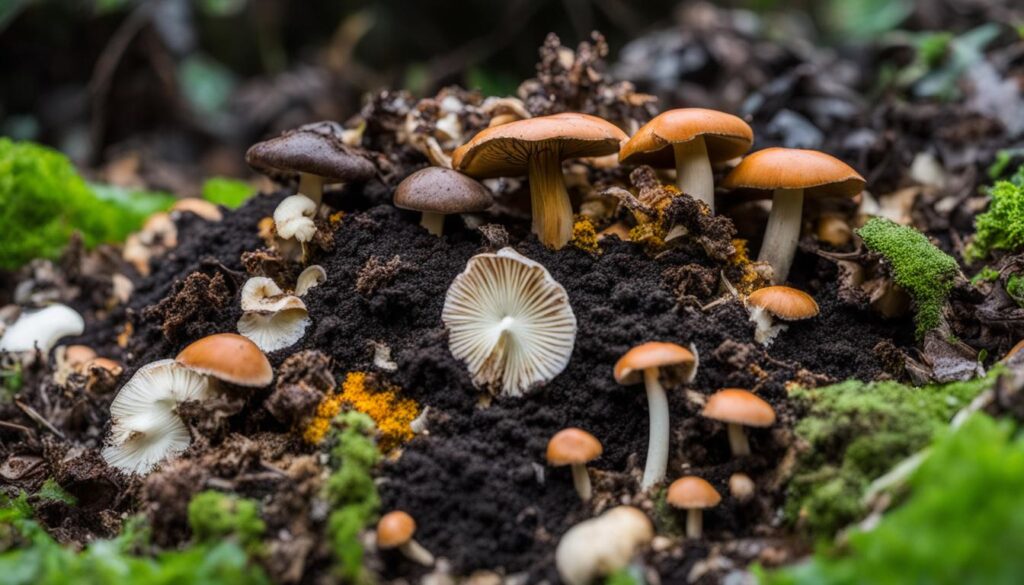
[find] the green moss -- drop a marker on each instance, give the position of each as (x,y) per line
(622,577)
(963,522)
(214,516)
(1015,288)
(227,192)
(855,433)
(986,274)
(1002,226)
(920,268)
(51,491)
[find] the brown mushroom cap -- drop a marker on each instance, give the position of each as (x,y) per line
(726,136)
(229,357)
(786,303)
(818,174)
(742,407)
(653,354)
(395,529)
(691,492)
(316,149)
(504,151)
(573,446)
(444,191)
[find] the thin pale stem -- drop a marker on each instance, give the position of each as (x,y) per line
(694,523)
(552,210)
(783,232)
(657,446)
(414,551)
(581,479)
(433,222)
(738,440)
(693,171)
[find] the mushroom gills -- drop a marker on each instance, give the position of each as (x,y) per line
(693,171)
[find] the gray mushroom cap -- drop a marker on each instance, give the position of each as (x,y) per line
(316,149)
(444,191)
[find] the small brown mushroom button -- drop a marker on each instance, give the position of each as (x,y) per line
(316,152)
(780,302)
(739,408)
(437,192)
(690,139)
(694,495)
(789,175)
(395,530)
(651,362)
(537,147)
(228,357)
(575,447)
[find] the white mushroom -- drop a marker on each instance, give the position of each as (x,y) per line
(597,547)
(146,428)
(42,328)
(510,322)
(312,276)
(293,218)
(272,320)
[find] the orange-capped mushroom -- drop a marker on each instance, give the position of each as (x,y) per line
(780,302)
(395,530)
(575,447)
(739,408)
(694,495)
(228,357)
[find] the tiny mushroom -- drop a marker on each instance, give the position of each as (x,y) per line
(690,139)
(395,530)
(510,322)
(272,319)
(739,408)
(228,357)
(575,447)
(311,277)
(437,192)
(781,302)
(42,329)
(790,175)
(741,487)
(200,207)
(600,546)
(316,152)
(693,494)
(537,147)
(652,362)
(293,218)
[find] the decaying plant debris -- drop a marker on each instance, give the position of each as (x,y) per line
(371,411)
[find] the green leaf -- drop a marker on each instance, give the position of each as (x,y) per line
(227,192)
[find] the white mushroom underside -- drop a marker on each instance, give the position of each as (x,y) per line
(146,428)
(765,329)
(510,322)
(274,331)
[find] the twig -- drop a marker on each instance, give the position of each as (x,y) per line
(38,418)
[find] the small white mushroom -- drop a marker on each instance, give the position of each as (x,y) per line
(42,329)
(597,547)
(293,218)
(273,320)
(312,276)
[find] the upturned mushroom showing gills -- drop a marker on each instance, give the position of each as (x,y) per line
(694,495)
(510,322)
(316,153)
(739,408)
(537,147)
(575,447)
(654,362)
(778,302)
(272,319)
(790,175)
(691,140)
(437,192)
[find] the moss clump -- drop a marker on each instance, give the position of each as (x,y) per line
(51,491)
(214,516)
(1002,226)
(986,274)
(920,268)
(856,432)
(962,523)
(1015,288)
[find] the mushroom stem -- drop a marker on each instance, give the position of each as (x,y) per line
(581,479)
(433,222)
(414,551)
(552,210)
(694,522)
(657,446)
(693,171)
(738,440)
(783,232)
(312,186)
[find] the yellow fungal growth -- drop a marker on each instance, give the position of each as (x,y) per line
(336,217)
(392,413)
(328,408)
(750,279)
(584,236)
(650,234)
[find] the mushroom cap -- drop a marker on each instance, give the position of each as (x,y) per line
(316,149)
(229,357)
(42,328)
(817,173)
(444,191)
(602,545)
(786,303)
(395,529)
(200,207)
(505,150)
(691,492)
(573,446)
(726,136)
(653,354)
(741,486)
(741,407)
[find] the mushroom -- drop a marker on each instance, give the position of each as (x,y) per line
(145,427)
(395,530)
(293,218)
(510,322)
(694,495)
(652,362)
(790,174)
(781,302)
(575,447)
(228,357)
(316,152)
(597,547)
(690,139)
(741,487)
(42,328)
(70,359)
(311,277)
(437,192)
(738,408)
(537,146)
(200,207)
